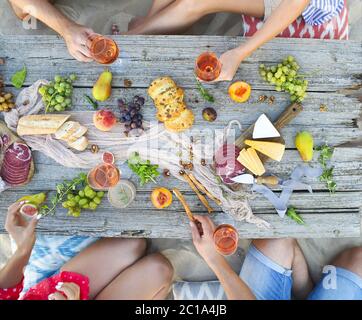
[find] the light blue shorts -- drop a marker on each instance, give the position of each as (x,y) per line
(270,281)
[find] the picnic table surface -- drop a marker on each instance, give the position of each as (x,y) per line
(336,66)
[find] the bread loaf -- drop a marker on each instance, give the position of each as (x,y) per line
(40,124)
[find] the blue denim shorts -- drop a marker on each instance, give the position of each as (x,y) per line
(270,281)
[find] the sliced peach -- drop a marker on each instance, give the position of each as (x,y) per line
(239,91)
(161,198)
(104,120)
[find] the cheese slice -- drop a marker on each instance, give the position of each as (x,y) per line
(250,160)
(263,128)
(274,150)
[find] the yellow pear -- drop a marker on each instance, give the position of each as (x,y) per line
(304,143)
(102,89)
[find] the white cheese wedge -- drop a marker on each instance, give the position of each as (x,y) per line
(274,150)
(263,128)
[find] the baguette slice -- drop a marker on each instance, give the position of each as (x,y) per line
(67,130)
(80,144)
(77,134)
(40,124)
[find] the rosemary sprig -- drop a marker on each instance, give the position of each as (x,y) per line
(62,189)
(292,214)
(204,93)
(93,103)
(325,155)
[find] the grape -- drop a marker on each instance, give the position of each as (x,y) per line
(57,94)
(285,77)
(100,194)
(133,125)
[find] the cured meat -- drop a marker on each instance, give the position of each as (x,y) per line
(17,163)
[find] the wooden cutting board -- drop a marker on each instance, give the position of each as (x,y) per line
(14,138)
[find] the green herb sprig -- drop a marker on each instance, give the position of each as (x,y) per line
(326,153)
(204,92)
(18,78)
(93,103)
(61,192)
(144,169)
(292,214)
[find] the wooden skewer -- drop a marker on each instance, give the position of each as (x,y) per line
(203,189)
(200,196)
(179,196)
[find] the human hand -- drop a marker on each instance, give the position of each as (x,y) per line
(230,61)
(204,244)
(76,37)
(66,291)
(21,229)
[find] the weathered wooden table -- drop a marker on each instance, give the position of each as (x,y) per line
(143,58)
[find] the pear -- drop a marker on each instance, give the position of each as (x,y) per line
(102,88)
(304,143)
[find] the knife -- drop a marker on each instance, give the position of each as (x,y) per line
(249,179)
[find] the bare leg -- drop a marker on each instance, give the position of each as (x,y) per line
(287,253)
(157,6)
(181,14)
(148,279)
(350,259)
(102,261)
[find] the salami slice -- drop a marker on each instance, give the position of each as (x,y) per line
(16,164)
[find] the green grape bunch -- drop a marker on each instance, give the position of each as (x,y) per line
(285,77)
(57,94)
(85,198)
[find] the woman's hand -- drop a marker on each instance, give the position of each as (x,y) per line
(205,244)
(76,37)
(66,291)
(230,61)
(20,229)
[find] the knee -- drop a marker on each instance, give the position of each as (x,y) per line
(161,267)
(137,246)
(285,244)
(350,259)
(191,7)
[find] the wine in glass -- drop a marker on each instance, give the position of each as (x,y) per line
(104,176)
(226,239)
(207,66)
(104,50)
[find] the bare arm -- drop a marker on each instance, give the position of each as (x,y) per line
(23,233)
(74,34)
(12,274)
(235,288)
(45,12)
(280,19)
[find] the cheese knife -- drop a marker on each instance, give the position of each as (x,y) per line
(249,179)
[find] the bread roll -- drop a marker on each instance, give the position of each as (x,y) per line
(40,124)
(80,144)
(81,131)
(67,130)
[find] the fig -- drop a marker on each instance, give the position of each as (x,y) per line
(28,210)
(209,114)
(161,198)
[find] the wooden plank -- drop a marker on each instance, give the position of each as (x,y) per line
(335,63)
(174,224)
(348,171)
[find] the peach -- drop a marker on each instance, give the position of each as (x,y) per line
(104,120)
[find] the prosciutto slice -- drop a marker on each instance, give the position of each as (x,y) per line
(16,164)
